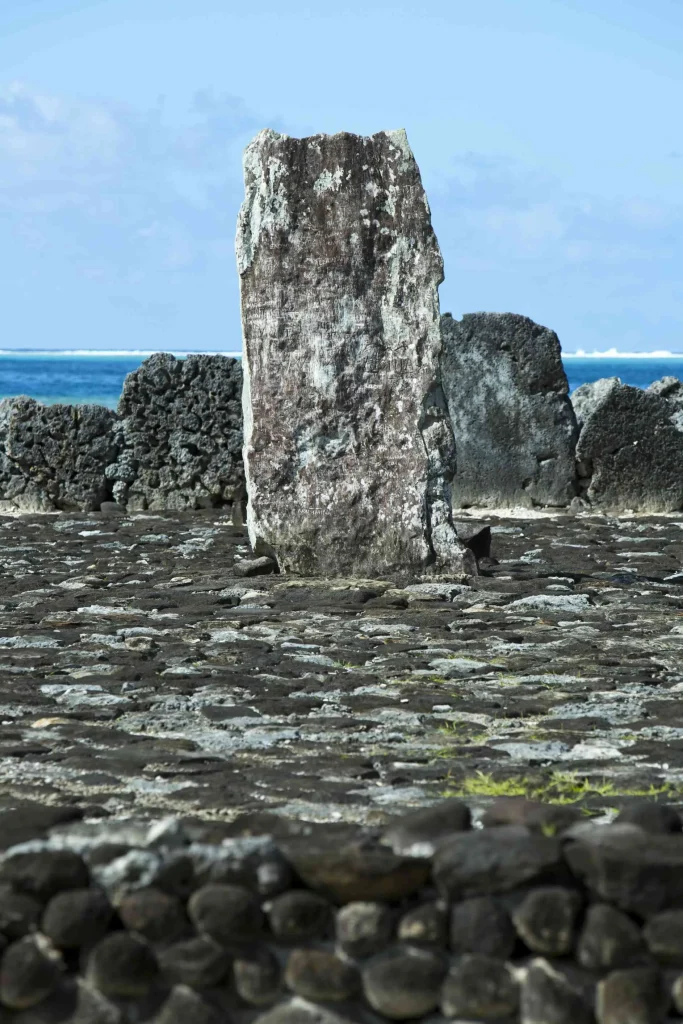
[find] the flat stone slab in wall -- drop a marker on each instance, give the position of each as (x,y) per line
(347,444)
(180,434)
(630,448)
(54,456)
(514,426)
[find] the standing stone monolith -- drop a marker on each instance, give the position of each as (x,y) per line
(514,426)
(347,445)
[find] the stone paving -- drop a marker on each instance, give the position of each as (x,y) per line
(141,674)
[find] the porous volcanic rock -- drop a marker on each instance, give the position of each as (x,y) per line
(180,434)
(347,444)
(630,449)
(514,426)
(54,456)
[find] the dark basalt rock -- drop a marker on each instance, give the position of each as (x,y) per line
(546,920)
(609,939)
(403,984)
(298,915)
(156,915)
(630,448)
(123,965)
(426,925)
(514,426)
(321,976)
(494,860)
(179,434)
(77,917)
(548,997)
(637,872)
(550,819)
(257,977)
(183,1006)
(228,914)
(29,971)
(663,936)
(347,443)
(355,870)
(421,832)
(45,873)
(198,962)
(636,994)
(364,928)
(656,818)
(54,456)
(480,988)
(19,913)
(481,925)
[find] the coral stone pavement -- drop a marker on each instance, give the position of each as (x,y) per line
(142,674)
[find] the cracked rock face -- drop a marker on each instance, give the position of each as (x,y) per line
(54,456)
(630,448)
(347,443)
(514,426)
(180,434)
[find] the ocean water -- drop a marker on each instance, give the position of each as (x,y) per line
(75,377)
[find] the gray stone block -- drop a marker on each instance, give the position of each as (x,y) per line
(514,427)
(630,449)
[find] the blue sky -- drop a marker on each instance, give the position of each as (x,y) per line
(548,133)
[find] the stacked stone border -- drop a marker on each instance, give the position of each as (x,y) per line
(529,914)
(176,439)
(175,442)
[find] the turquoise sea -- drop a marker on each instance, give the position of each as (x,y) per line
(98,377)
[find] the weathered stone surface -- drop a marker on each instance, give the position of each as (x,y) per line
(402,984)
(321,976)
(514,426)
(548,997)
(663,934)
(257,976)
(419,833)
(77,917)
(226,913)
(29,971)
(546,920)
(298,915)
(179,434)
(54,456)
(640,873)
(480,988)
(364,928)
(636,995)
(630,448)
(354,870)
(493,860)
(347,444)
(482,925)
(426,925)
(609,939)
(122,965)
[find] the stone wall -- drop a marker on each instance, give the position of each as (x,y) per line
(533,916)
(175,442)
(179,434)
(54,457)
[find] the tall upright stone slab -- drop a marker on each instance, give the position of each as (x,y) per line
(347,445)
(514,426)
